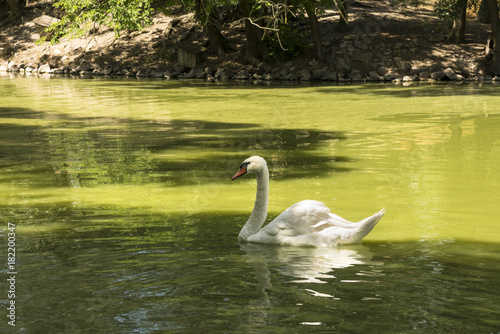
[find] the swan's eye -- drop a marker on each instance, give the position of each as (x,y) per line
(243,170)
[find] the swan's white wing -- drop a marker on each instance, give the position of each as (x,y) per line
(304,223)
(311,223)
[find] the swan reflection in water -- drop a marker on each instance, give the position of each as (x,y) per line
(301,265)
(306,264)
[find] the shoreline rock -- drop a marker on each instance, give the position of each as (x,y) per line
(286,73)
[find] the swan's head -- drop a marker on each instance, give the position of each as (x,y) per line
(253,164)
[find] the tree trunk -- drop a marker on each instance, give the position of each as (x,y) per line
(494,66)
(343,24)
(483,14)
(253,45)
(218,43)
(457,34)
(315,32)
(15,9)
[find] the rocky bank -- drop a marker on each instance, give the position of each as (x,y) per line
(384,44)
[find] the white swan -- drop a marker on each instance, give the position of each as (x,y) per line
(307,223)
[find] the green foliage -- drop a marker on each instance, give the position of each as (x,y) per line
(285,43)
(81,15)
(450,9)
(446,9)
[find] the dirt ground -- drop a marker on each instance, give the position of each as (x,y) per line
(400,40)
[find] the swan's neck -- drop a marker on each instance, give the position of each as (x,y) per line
(259,212)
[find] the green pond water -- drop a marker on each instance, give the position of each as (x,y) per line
(126,219)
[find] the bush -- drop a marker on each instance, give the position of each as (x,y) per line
(286,43)
(81,15)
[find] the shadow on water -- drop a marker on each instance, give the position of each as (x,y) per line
(408,89)
(437,118)
(135,272)
(80,151)
(413,89)
(440,89)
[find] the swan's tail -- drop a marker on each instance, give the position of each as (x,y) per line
(364,227)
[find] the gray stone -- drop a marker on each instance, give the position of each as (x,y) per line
(226,74)
(305,75)
(383,70)
(390,77)
(257,76)
(218,73)
(199,73)
(329,75)
(242,75)
(424,76)
(318,73)
(189,75)
(407,78)
(450,74)
(356,76)
(12,67)
(83,67)
(156,74)
(268,77)
(373,75)
(284,72)
(438,76)
(176,74)
(108,70)
(342,66)
(404,66)
(363,57)
(142,73)
(83,73)
(45,68)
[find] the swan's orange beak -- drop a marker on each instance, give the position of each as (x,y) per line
(242,171)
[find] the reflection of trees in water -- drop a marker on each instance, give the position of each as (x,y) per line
(85,151)
(86,158)
(178,152)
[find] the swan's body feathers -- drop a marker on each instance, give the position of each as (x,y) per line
(306,223)
(311,223)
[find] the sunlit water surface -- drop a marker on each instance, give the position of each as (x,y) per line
(127,221)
